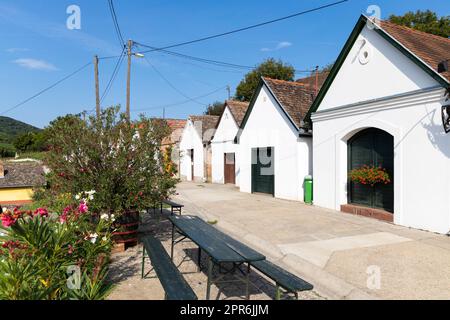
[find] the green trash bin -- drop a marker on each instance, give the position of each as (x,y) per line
(308,187)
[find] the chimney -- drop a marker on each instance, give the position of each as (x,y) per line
(2,170)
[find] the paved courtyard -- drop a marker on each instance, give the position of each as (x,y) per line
(126,272)
(344,256)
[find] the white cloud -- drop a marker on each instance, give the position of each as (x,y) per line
(280,45)
(15,50)
(35,64)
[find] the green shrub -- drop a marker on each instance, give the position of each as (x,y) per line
(39,251)
(7,150)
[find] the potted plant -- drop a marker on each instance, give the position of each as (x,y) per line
(121,160)
(370,175)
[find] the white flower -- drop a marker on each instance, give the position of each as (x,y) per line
(105,239)
(113,218)
(91,197)
(93,238)
(104,217)
(77,197)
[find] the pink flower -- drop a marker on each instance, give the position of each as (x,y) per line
(8,221)
(42,212)
(67,210)
(83,208)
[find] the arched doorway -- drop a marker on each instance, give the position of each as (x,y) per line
(372,147)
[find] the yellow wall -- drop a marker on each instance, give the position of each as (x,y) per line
(16,194)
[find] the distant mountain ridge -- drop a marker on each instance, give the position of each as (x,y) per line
(11,128)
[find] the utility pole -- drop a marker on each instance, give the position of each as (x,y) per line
(130,46)
(97,90)
(229,92)
(164,113)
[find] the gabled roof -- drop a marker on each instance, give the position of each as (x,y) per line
(430,48)
(22,175)
(238,110)
(425,50)
(311,80)
(205,125)
(176,126)
(293,98)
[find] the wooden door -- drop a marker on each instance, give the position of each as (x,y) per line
(263,170)
(372,147)
(229,168)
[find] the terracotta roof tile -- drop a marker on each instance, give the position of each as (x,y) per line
(296,98)
(311,80)
(177,126)
(430,48)
(205,125)
(22,174)
(238,110)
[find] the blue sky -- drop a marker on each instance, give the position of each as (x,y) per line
(37,49)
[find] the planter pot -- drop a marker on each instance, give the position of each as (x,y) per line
(127,227)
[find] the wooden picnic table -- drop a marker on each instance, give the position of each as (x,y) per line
(219,247)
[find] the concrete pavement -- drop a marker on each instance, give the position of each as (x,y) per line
(344,256)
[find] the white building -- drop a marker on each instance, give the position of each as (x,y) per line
(275,156)
(225,153)
(382,105)
(195,148)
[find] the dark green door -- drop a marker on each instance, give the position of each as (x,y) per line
(372,147)
(263,170)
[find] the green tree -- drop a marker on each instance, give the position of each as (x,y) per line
(215,109)
(270,68)
(122,162)
(426,21)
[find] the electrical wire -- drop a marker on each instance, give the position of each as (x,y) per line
(212,62)
(247,28)
(175,104)
(116,23)
(172,85)
(113,76)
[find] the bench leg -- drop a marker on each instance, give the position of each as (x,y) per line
(171,213)
(208,286)
(247,282)
(173,242)
(199,259)
(296,295)
(161,208)
(143,263)
(278,293)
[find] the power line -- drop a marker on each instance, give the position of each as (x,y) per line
(46,89)
(172,85)
(113,76)
(116,23)
(247,28)
(171,105)
(209,61)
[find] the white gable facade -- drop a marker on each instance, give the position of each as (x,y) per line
(191,154)
(383,109)
(289,160)
(224,151)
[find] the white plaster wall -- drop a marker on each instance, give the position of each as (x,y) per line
(388,72)
(267,126)
(223,142)
(421,160)
(191,140)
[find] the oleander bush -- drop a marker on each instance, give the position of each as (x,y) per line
(54,256)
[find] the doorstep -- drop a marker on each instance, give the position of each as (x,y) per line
(378,214)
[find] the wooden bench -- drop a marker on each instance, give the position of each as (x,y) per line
(175,207)
(284,279)
(173,282)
